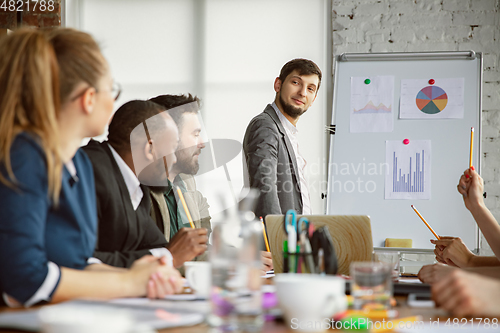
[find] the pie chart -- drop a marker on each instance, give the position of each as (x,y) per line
(431,100)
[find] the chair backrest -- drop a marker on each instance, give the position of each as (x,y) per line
(351,235)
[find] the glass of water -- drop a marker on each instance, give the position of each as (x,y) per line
(390,257)
(371,285)
(236,277)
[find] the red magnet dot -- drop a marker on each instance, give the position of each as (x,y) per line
(431,81)
(406,141)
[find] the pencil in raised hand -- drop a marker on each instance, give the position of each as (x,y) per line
(423,220)
(471,146)
(265,234)
(190,219)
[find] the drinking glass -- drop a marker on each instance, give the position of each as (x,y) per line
(371,285)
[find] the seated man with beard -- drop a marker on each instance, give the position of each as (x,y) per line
(170,216)
(121,166)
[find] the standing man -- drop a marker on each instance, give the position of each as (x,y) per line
(275,165)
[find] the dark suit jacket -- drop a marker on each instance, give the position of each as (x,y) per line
(271,165)
(123,235)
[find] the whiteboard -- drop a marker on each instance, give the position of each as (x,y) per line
(357,169)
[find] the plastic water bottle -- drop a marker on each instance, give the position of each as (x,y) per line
(236,299)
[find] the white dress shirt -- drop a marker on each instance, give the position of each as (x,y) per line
(136,194)
(133,184)
(292,132)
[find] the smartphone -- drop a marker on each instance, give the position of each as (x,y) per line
(420,301)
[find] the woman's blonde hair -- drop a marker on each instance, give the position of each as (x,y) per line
(38,71)
(79,58)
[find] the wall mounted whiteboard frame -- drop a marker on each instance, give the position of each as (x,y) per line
(352,155)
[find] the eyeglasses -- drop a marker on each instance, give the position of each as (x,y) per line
(115,91)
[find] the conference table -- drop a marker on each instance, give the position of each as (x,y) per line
(428,315)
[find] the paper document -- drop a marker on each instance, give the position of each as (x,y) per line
(443,99)
(156,317)
(408,173)
(372,101)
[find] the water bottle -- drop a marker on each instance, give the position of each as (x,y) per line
(236,300)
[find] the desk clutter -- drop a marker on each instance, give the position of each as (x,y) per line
(350,235)
(318,260)
(307,249)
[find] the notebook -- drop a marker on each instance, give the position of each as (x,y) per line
(351,235)
(156,314)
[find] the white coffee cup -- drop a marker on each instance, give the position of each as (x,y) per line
(308,301)
(199,276)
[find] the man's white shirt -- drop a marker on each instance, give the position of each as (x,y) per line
(292,132)
(136,194)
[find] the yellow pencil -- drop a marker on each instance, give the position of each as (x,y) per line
(471,145)
(190,219)
(265,235)
(423,220)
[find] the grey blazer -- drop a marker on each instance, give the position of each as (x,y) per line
(271,165)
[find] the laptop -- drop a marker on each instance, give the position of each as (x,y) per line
(351,235)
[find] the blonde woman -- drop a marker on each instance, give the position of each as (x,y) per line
(56,90)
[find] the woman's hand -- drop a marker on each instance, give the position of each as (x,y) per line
(452,251)
(156,277)
(471,186)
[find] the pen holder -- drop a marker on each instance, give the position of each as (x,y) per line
(300,262)
(321,259)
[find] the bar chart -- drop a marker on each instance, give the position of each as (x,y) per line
(412,181)
(408,173)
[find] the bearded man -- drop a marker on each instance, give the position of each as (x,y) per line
(273,160)
(166,207)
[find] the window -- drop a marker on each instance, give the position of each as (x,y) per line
(228,52)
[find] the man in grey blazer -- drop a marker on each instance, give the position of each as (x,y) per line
(274,163)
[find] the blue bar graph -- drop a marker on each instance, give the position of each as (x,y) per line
(412,181)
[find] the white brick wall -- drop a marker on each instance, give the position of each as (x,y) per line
(434,25)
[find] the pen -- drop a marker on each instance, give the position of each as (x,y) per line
(308,251)
(471,146)
(321,261)
(299,261)
(190,219)
(423,220)
(310,230)
(264,233)
(292,245)
(285,257)
(297,257)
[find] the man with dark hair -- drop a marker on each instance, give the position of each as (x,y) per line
(141,146)
(169,216)
(274,163)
